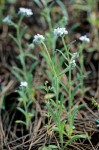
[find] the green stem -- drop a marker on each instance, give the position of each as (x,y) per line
(57,90)
(47,52)
(69,84)
(70,91)
(22,59)
(54,72)
(25,108)
(82,68)
(66,49)
(61,139)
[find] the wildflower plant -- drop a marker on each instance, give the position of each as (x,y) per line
(57,107)
(24,103)
(26,90)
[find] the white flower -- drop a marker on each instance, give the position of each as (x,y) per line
(38,39)
(25,11)
(24,84)
(60,31)
(84,39)
(73,63)
(74,56)
(7,20)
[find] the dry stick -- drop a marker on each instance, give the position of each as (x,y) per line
(89,140)
(39,123)
(2,134)
(19,138)
(9,148)
(7,87)
(56,141)
(81,100)
(97,92)
(28,142)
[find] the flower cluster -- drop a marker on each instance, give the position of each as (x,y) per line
(74,56)
(60,31)
(24,84)
(84,39)
(38,39)
(25,11)
(8,20)
(73,63)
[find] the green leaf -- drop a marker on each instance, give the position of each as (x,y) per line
(73,113)
(29,78)
(30,47)
(37,2)
(21,110)
(46,148)
(31,56)
(20,121)
(17,76)
(74,91)
(52,112)
(18,70)
(14,39)
(63,125)
(61,104)
(61,53)
(75,137)
(22,31)
(64,71)
(40,87)
(52,146)
(55,129)
(30,115)
(33,67)
(53,103)
(64,86)
(29,103)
